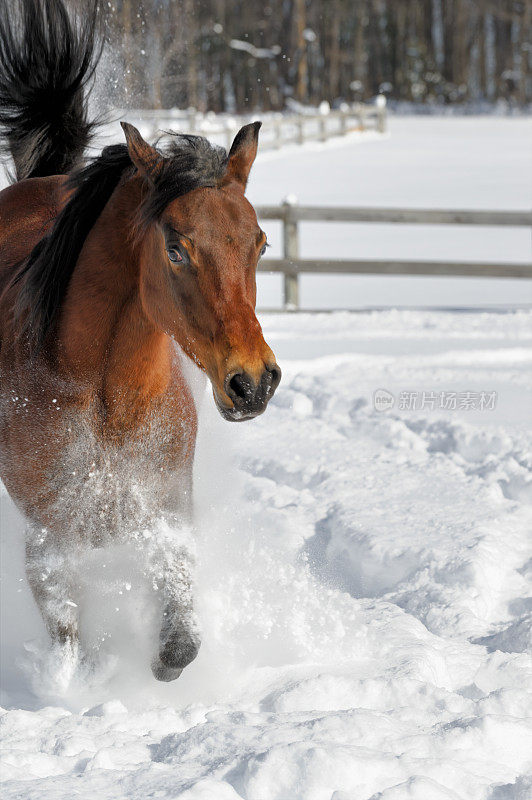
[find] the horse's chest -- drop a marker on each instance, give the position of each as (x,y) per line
(67,472)
(106,492)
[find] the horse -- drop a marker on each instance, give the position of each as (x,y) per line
(112,271)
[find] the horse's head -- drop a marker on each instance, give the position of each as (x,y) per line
(198,262)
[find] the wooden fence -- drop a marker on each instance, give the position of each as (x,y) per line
(291,265)
(277,129)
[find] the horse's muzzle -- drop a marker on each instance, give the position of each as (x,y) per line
(249,397)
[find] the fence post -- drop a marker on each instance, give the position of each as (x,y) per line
(343,122)
(191,119)
(229,134)
(381,113)
(300,131)
(278,140)
(155,127)
(360,116)
(290,251)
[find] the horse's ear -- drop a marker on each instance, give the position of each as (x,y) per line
(242,154)
(145,157)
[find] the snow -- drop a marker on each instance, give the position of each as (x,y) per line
(363,577)
(363,590)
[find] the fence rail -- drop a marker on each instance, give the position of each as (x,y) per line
(291,265)
(277,129)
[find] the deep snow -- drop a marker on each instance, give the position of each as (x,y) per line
(362,591)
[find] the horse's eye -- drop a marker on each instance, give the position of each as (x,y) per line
(174,256)
(263,249)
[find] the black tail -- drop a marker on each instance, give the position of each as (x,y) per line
(47,59)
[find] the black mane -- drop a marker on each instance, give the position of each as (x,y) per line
(190,162)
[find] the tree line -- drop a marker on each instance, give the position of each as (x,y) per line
(240,55)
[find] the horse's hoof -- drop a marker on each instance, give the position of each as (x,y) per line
(163,673)
(179,649)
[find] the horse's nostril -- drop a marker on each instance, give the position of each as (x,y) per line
(275,372)
(240,387)
(249,396)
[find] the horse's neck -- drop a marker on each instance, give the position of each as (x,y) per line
(106,342)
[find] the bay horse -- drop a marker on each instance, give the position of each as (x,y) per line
(109,269)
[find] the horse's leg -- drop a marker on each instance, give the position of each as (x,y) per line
(50,582)
(179,639)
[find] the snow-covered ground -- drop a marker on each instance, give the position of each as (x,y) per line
(363,575)
(362,590)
